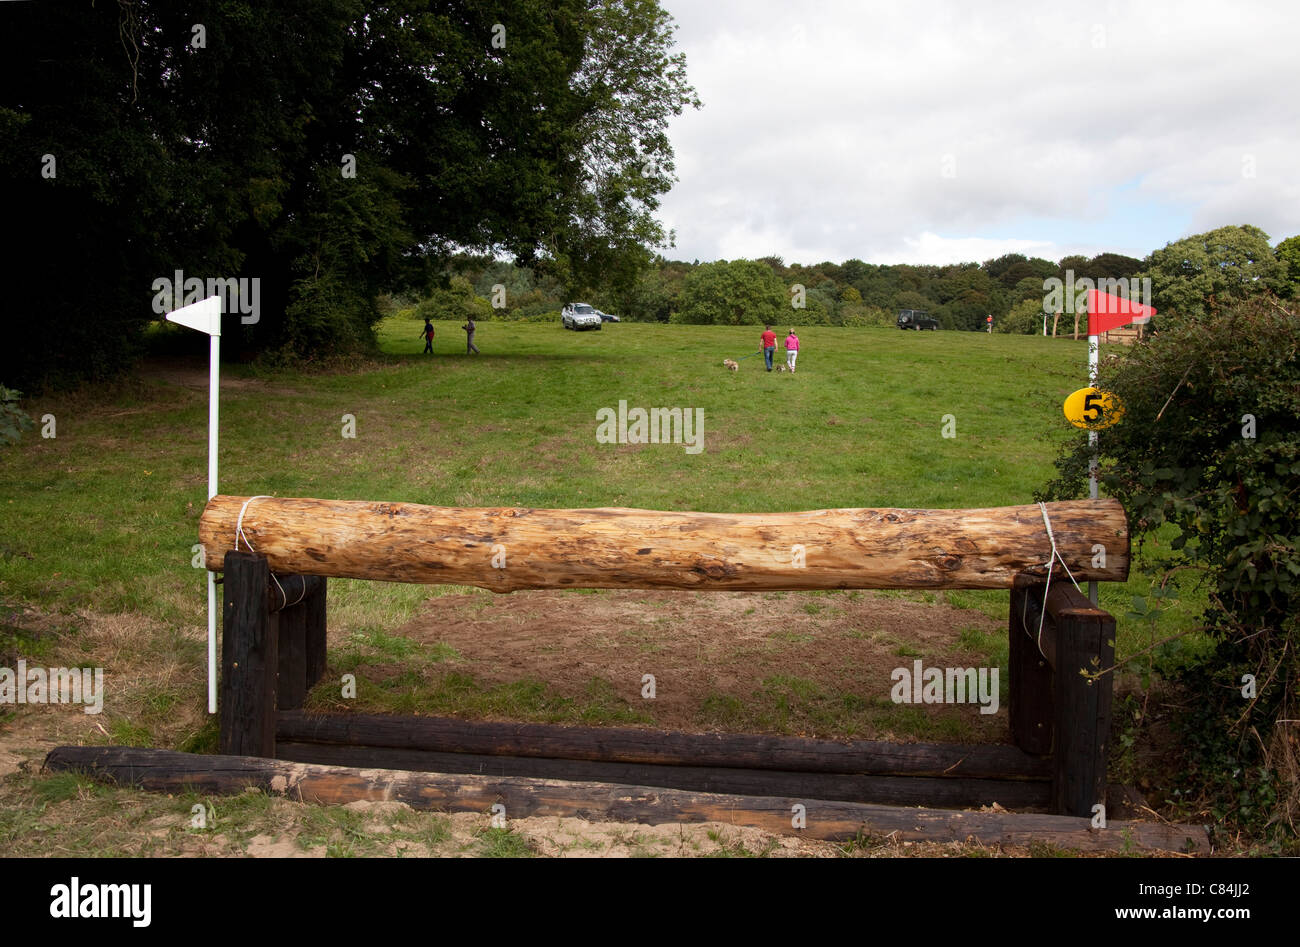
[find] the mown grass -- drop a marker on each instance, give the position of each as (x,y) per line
(106,513)
(104,516)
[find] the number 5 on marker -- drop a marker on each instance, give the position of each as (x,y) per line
(1093,409)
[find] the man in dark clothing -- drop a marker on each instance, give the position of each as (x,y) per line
(428,334)
(469,337)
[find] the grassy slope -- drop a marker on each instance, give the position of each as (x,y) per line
(102,518)
(105,514)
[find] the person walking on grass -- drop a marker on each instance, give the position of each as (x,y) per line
(769,345)
(791,349)
(427,333)
(469,328)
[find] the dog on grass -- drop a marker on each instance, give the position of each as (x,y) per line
(729,363)
(781,367)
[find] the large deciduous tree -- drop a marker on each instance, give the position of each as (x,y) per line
(332,151)
(1211,271)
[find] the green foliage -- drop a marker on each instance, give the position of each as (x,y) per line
(740,292)
(333,156)
(1288,256)
(13,419)
(1209,447)
(861,316)
(1211,271)
(1025,318)
(457,301)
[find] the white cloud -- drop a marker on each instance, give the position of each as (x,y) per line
(826,129)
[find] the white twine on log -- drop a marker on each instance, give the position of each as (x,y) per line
(239,531)
(239,523)
(1051,564)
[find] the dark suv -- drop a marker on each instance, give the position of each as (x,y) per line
(916,319)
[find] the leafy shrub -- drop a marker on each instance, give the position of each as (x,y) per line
(1210,444)
(1025,318)
(13,419)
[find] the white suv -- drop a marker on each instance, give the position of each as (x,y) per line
(579,316)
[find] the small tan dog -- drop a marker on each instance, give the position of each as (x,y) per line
(781,367)
(728,363)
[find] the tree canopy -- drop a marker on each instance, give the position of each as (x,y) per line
(332,152)
(1213,270)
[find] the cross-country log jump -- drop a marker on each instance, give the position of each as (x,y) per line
(503,549)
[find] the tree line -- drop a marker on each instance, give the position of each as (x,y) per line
(1185,277)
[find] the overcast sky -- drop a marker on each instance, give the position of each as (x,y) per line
(933,132)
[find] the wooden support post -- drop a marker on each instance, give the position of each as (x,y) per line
(1085,645)
(315,633)
(249,658)
(291,682)
(294,598)
(1031,674)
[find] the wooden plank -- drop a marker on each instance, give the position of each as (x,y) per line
(504,549)
(891,790)
(1030,704)
(630,745)
(1085,643)
(314,633)
(249,658)
(170,771)
(291,680)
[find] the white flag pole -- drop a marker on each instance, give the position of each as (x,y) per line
(1092,436)
(205,316)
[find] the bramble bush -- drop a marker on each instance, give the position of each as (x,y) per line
(1210,444)
(13,419)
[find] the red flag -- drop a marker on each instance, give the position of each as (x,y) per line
(1110,312)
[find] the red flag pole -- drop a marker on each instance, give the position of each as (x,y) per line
(1105,312)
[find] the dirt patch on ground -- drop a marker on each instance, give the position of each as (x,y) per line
(193,373)
(709,652)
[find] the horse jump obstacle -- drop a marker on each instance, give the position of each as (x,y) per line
(273,646)
(274,642)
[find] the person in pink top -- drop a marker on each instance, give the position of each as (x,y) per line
(791,349)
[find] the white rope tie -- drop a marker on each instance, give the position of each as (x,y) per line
(1054,558)
(239,523)
(239,531)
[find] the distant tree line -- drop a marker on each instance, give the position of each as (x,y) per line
(1217,268)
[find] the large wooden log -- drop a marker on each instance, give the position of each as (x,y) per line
(170,771)
(662,747)
(504,549)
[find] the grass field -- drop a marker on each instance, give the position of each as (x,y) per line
(101,519)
